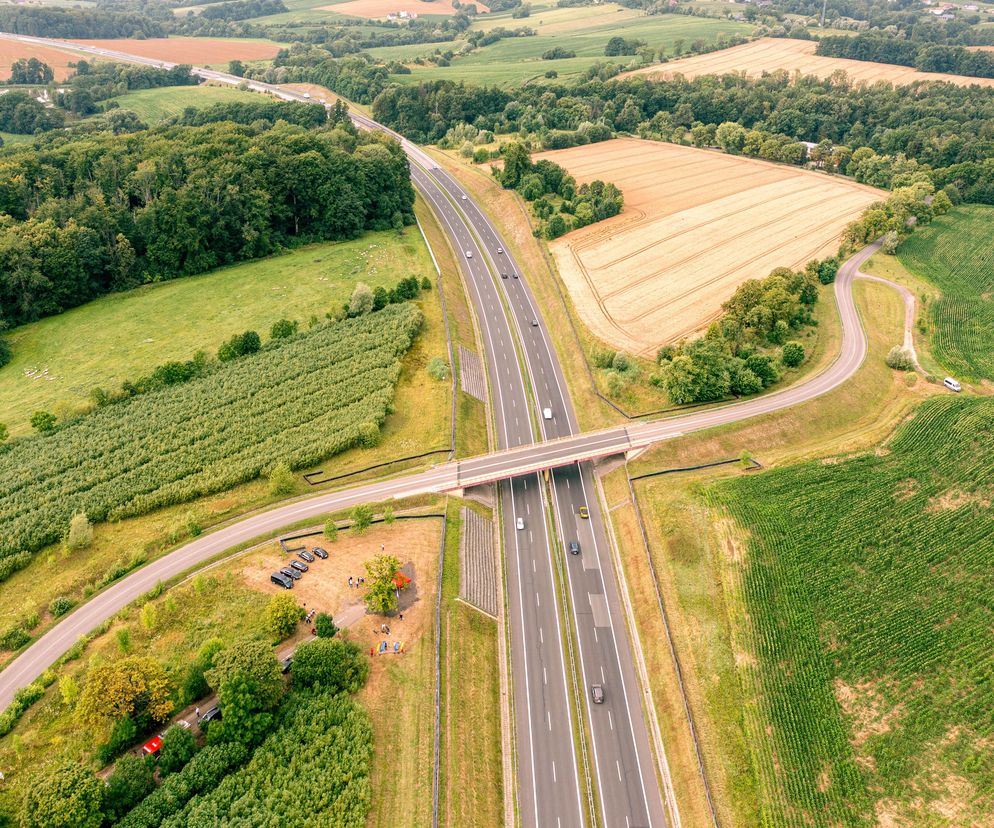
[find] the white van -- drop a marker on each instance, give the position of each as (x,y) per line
(469,254)
(547,413)
(952,385)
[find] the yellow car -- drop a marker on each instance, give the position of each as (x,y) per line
(584,513)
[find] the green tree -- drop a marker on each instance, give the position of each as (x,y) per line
(362,518)
(255,661)
(132,780)
(128,687)
(281,480)
(331,531)
(792,354)
(381,595)
(283,614)
(178,748)
(43,422)
(332,664)
(283,329)
(5,352)
(236,68)
(246,719)
(361,301)
(731,137)
(517,163)
(324,625)
(80,533)
(64,796)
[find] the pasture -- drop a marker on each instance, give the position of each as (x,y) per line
(57,360)
(774,54)
(956,254)
(858,591)
(155,105)
(696,224)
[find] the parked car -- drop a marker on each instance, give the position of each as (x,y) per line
(300,566)
(290,573)
(282,580)
(317,550)
(597,693)
(584,513)
(285,664)
(952,385)
(303,554)
(520,523)
(214,714)
(574,548)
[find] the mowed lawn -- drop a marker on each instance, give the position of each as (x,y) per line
(155,105)
(583,30)
(124,335)
(865,617)
(956,254)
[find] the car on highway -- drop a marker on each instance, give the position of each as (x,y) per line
(574,548)
(500,250)
(534,323)
(952,385)
(469,254)
(300,566)
(514,273)
(597,693)
(463,196)
(303,554)
(547,413)
(520,523)
(290,573)
(584,512)
(321,553)
(503,275)
(280,579)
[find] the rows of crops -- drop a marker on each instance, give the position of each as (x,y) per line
(869,606)
(298,402)
(956,253)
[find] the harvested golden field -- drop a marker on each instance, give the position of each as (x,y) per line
(381,8)
(696,224)
(12,50)
(193,50)
(771,54)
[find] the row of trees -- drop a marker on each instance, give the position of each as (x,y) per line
(49,21)
(178,201)
(95,82)
(923,56)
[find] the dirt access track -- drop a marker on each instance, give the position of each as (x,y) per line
(192,50)
(771,54)
(381,8)
(696,224)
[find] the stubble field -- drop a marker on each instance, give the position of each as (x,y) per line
(11,50)
(381,8)
(771,54)
(696,224)
(193,50)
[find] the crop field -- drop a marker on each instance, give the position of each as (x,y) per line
(58,360)
(297,401)
(11,50)
(696,224)
(194,50)
(583,30)
(155,105)
(773,54)
(956,254)
(866,618)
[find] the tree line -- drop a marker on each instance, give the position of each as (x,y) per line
(923,56)
(79,23)
(177,201)
(96,82)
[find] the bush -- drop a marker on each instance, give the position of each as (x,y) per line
(283,329)
(621,362)
(5,352)
(361,301)
(178,748)
(80,532)
(239,345)
(333,665)
(132,780)
(15,638)
(438,368)
(43,422)
(792,354)
(899,359)
(362,517)
(324,625)
(283,614)
(281,480)
(60,605)
(331,531)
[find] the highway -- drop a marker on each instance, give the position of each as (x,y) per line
(524,378)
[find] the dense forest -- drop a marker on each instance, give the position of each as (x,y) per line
(78,23)
(89,215)
(923,56)
(939,129)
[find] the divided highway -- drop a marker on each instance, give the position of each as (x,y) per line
(524,378)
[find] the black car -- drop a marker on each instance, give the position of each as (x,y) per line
(503,275)
(290,573)
(285,664)
(300,566)
(211,715)
(305,555)
(280,579)
(515,274)
(317,550)
(574,548)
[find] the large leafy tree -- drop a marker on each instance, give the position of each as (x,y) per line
(381,595)
(331,663)
(64,796)
(249,686)
(134,687)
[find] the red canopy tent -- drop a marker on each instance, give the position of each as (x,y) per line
(400,580)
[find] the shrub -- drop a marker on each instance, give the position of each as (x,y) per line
(282,615)
(361,301)
(15,638)
(178,748)
(239,345)
(80,532)
(43,422)
(438,368)
(899,359)
(60,605)
(362,517)
(281,480)
(369,435)
(4,433)
(333,665)
(621,362)
(331,531)
(283,329)
(792,354)
(324,625)
(132,780)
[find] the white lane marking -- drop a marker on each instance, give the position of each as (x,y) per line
(610,719)
(538,602)
(604,680)
(618,766)
(533,566)
(553,770)
(567,483)
(548,717)
(545,678)
(541,636)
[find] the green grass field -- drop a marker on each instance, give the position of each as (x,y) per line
(123,335)
(866,586)
(956,254)
(583,30)
(155,105)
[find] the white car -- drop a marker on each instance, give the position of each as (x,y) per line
(520,523)
(500,250)
(463,197)
(952,385)
(469,254)
(547,413)
(307,94)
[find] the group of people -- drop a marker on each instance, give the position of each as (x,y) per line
(356,582)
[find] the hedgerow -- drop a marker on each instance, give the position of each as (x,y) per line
(297,401)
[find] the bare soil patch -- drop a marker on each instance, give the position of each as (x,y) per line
(696,224)
(957,499)
(381,8)
(193,50)
(12,50)
(769,55)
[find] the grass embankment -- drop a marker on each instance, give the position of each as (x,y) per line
(690,557)
(471,790)
(420,421)
(582,30)
(155,105)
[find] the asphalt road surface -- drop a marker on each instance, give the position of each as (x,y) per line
(549,789)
